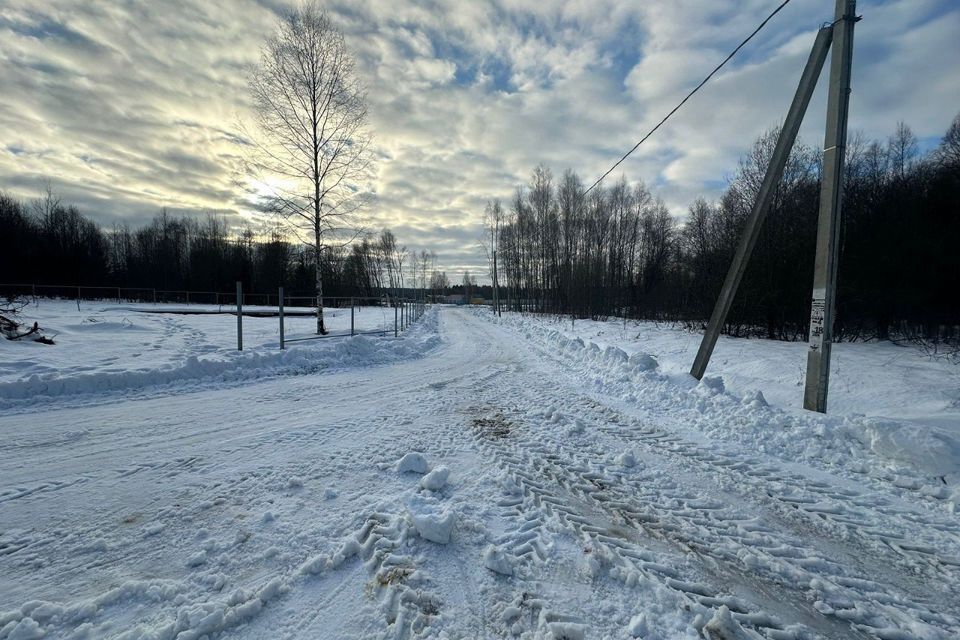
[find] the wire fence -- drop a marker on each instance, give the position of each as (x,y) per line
(405,310)
(149,295)
(175,296)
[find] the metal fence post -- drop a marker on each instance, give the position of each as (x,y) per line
(281,318)
(351,316)
(239,316)
(395,332)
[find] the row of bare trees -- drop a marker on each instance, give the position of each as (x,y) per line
(618,251)
(385,265)
(49,242)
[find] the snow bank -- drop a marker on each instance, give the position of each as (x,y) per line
(927,452)
(920,447)
(234,367)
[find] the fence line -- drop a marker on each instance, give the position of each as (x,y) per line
(406,311)
(166,296)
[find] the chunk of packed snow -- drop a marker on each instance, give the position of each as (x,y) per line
(414,462)
(25,629)
(711,385)
(722,626)
(431,522)
(638,626)
(497,561)
(436,479)
(615,354)
(577,427)
(754,399)
(567,630)
(626,459)
(643,362)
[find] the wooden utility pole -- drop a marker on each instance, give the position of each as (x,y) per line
(828,225)
(788,134)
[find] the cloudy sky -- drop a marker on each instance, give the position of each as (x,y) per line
(130,106)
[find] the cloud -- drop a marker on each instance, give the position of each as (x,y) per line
(129,107)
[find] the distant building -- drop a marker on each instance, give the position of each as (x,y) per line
(456,298)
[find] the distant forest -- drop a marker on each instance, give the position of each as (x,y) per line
(621,253)
(48,243)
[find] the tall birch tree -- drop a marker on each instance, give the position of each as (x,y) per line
(311,111)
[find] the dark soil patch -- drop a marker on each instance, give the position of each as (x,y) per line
(493,428)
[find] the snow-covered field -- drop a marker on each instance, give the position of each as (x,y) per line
(476,478)
(104,346)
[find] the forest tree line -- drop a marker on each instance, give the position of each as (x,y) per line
(47,242)
(618,251)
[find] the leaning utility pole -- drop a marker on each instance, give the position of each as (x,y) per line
(828,225)
(840,32)
(788,134)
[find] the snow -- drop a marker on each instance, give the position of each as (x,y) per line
(899,403)
(626,459)
(434,526)
(436,479)
(638,626)
(497,561)
(412,462)
(722,626)
(473,478)
(105,348)
(923,448)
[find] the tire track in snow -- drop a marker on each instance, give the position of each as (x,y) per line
(558,483)
(632,540)
(812,499)
(573,475)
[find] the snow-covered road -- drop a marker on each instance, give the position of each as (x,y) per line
(276,509)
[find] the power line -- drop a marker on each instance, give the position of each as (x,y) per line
(689,95)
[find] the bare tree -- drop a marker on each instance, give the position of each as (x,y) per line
(439,283)
(423,266)
(949,151)
(468,284)
(492,219)
(393,258)
(902,150)
(312,113)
